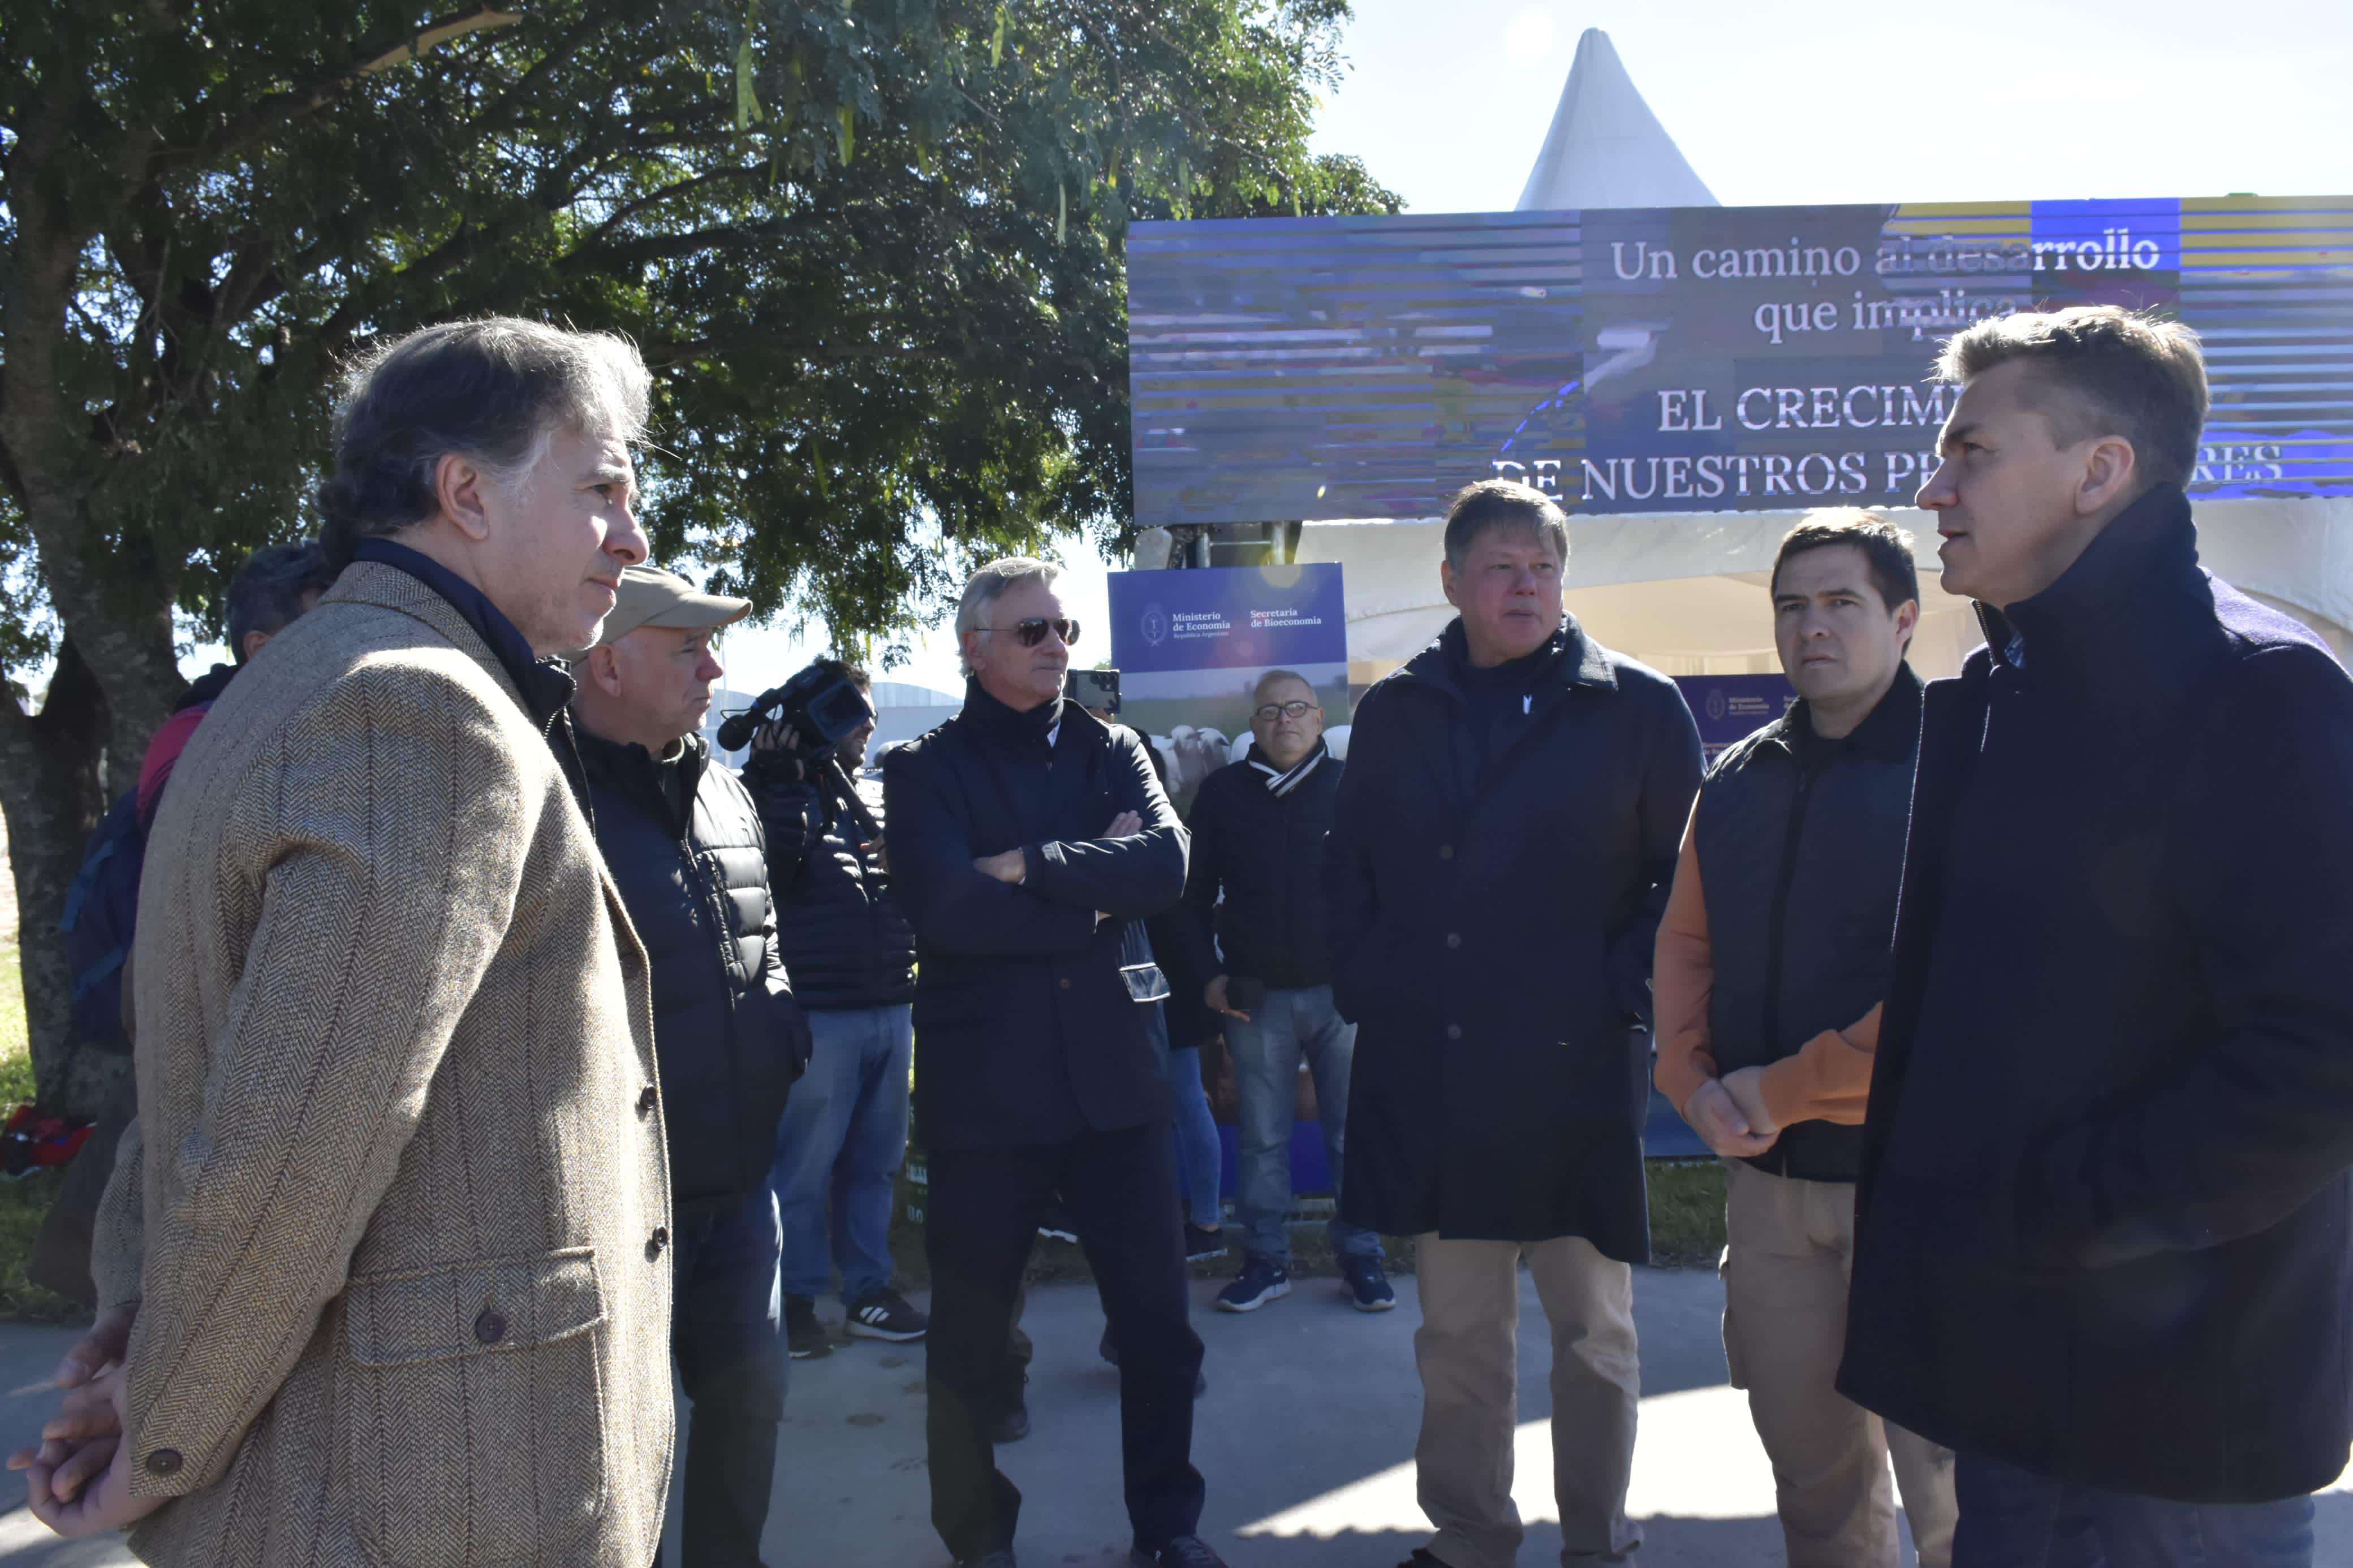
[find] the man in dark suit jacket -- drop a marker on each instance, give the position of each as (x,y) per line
(1028,843)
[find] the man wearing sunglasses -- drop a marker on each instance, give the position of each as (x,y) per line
(1030,841)
(1266,965)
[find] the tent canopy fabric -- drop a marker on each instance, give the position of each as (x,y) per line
(1605,149)
(1685,592)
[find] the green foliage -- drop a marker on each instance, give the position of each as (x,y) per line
(874,255)
(1686,1213)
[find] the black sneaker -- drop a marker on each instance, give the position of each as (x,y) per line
(804,1337)
(885,1315)
(1185,1551)
(1010,1423)
(1057,1226)
(1263,1279)
(1202,1245)
(1368,1287)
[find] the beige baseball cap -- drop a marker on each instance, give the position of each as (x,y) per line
(650,596)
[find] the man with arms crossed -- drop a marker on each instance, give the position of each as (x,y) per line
(1259,827)
(2101,1237)
(1499,857)
(1030,841)
(684,846)
(1770,969)
(400,1246)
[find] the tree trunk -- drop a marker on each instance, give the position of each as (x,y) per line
(49,789)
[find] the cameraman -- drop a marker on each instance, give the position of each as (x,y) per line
(853,959)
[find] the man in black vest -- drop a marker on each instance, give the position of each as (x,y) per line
(2103,1210)
(1770,972)
(1028,844)
(685,848)
(1500,854)
(1252,926)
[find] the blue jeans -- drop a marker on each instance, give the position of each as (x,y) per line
(1267,1050)
(840,1144)
(730,1351)
(2013,1519)
(1197,1139)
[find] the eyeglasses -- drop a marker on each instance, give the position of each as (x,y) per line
(1272,711)
(1033,630)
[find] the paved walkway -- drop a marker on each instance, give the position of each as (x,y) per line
(1305,1436)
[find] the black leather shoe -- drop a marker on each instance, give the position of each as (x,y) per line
(1184,1551)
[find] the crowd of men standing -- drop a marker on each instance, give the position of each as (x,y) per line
(467,1050)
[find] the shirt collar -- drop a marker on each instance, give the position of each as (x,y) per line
(545,685)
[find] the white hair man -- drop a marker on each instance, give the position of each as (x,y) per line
(1028,843)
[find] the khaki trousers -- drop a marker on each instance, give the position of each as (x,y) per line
(1467,1352)
(1785,1283)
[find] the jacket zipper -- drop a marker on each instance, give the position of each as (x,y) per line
(1777,923)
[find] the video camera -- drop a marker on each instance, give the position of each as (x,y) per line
(1095,690)
(817,708)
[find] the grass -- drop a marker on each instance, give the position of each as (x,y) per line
(1686,1213)
(22,1202)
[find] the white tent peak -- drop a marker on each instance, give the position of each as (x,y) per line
(1605,149)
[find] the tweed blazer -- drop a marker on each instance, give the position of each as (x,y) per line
(396,1195)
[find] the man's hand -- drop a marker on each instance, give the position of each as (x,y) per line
(54,1485)
(83,1421)
(1214,994)
(1747,1088)
(777,747)
(104,1345)
(1720,1124)
(1012,866)
(1125,824)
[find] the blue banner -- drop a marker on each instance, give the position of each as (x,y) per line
(1691,359)
(1731,708)
(1191,646)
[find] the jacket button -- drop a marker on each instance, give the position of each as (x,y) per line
(656,1242)
(164,1462)
(1453,1031)
(1446,852)
(1453,939)
(492,1326)
(647,1101)
(1065,982)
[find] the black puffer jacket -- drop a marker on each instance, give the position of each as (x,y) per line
(846,943)
(728,1035)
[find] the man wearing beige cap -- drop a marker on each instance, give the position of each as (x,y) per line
(686,848)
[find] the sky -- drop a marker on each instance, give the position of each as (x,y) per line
(1447,101)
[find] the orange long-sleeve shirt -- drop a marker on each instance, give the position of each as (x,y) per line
(1829,1079)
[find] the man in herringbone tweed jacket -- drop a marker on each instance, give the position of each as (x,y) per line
(402,1294)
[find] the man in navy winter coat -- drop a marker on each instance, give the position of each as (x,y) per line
(1500,854)
(1029,842)
(2102,1221)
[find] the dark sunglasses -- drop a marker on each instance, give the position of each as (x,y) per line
(1033,630)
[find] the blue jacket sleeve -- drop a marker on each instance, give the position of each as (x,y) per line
(954,908)
(1130,877)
